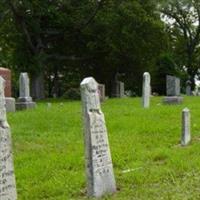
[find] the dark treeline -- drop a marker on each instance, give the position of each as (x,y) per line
(59,42)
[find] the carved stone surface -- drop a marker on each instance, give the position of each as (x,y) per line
(185,138)
(146,90)
(24,100)
(99,168)
(118,89)
(7,176)
(188,89)
(173,86)
(101,90)
(173,100)
(6,75)
(10,102)
(173,91)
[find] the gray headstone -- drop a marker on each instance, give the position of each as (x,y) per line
(99,168)
(188,88)
(173,91)
(173,86)
(118,89)
(101,90)
(24,87)
(185,138)
(146,90)
(24,100)
(7,176)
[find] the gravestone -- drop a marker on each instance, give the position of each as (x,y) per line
(185,138)
(10,101)
(118,89)
(146,90)
(172,90)
(99,168)
(188,88)
(7,176)
(24,100)
(101,91)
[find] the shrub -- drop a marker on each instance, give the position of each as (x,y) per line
(72,93)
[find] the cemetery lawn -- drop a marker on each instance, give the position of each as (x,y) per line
(148,161)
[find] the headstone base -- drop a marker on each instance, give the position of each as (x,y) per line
(173,100)
(25,105)
(10,104)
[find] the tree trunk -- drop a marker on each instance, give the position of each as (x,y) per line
(37,86)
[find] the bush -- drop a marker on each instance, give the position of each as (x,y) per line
(73,94)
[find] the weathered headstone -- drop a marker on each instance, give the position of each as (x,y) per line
(24,100)
(172,90)
(10,101)
(118,89)
(7,176)
(188,88)
(6,75)
(99,168)
(101,91)
(146,90)
(185,138)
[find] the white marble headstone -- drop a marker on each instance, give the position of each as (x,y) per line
(146,90)
(99,168)
(186,137)
(7,176)
(24,87)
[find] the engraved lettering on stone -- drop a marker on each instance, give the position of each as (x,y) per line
(7,177)
(100,176)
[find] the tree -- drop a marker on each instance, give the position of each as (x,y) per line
(183,17)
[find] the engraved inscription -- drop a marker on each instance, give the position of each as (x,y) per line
(7,177)
(100,176)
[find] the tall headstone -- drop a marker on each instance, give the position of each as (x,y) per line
(118,89)
(101,90)
(99,168)
(185,138)
(10,101)
(24,100)
(172,90)
(146,90)
(188,88)
(7,176)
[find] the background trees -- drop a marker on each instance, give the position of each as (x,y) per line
(60,42)
(183,17)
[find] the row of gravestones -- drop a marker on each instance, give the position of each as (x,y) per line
(172,90)
(24,101)
(99,168)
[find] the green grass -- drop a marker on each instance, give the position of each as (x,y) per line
(49,151)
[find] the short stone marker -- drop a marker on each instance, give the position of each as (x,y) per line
(173,90)
(146,90)
(185,137)
(188,89)
(7,176)
(101,90)
(10,101)
(99,168)
(24,100)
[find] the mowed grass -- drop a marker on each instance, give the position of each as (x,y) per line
(148,161)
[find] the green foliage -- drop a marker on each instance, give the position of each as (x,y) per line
(72,94)
(183,18)
(49,151)
(87,38)
(165,66)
